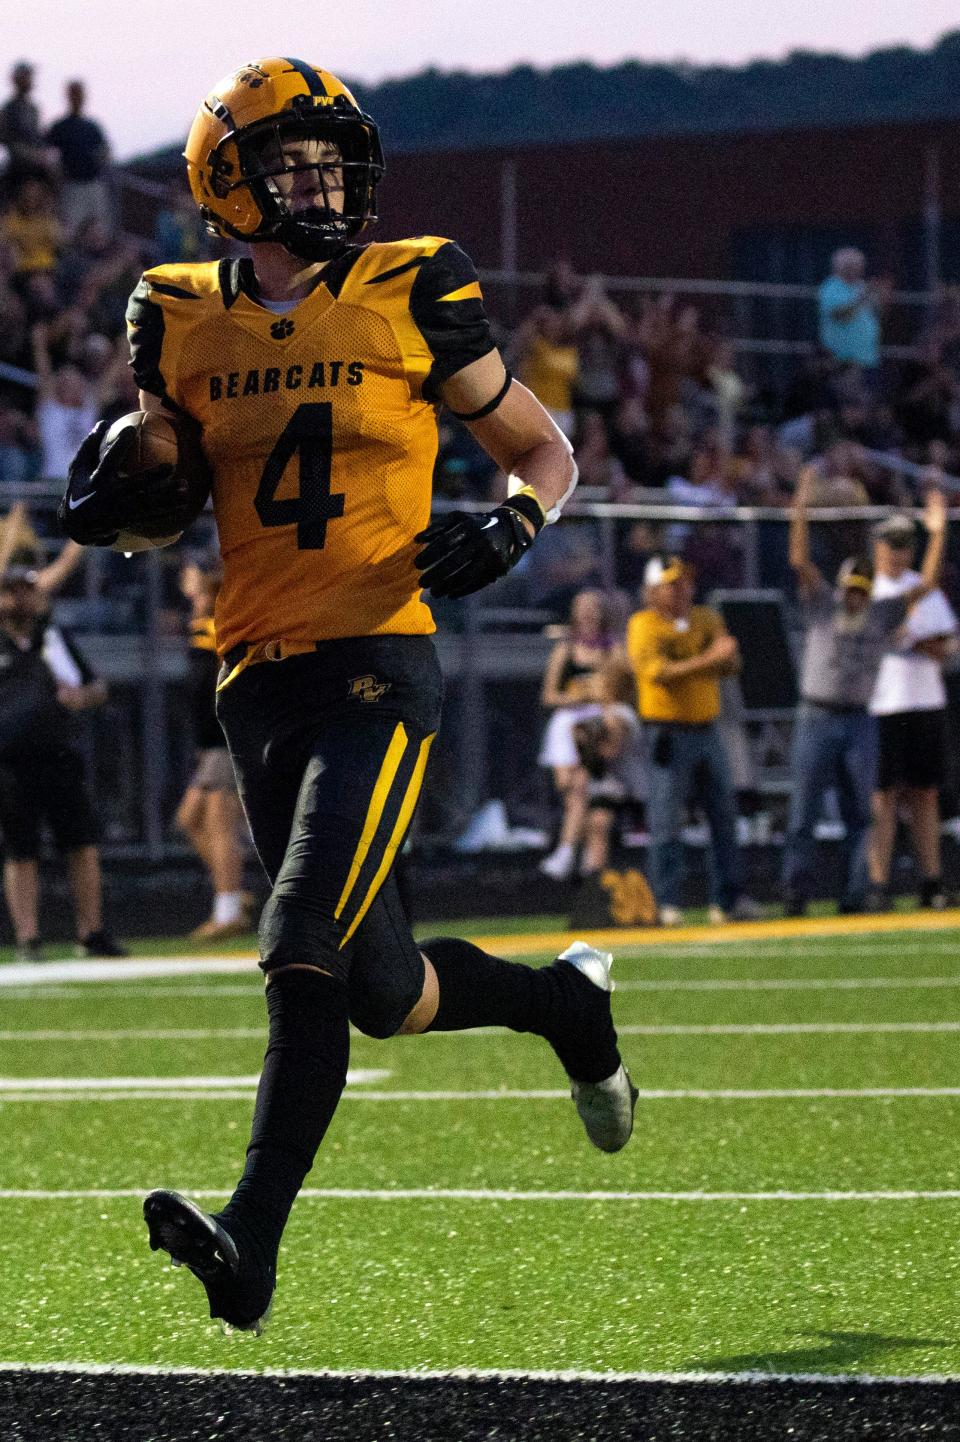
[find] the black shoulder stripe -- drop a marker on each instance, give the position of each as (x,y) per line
(456,331)
(398,270)
(146,330)
(314,83)
(145,319)
(228,274)
(173,290)
(335,272)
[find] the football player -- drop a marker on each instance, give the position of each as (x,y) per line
(314,368)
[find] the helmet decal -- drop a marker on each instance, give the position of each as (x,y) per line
(272,118)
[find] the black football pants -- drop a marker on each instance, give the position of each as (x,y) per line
(330,749)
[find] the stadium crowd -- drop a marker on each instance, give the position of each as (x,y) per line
(651,390)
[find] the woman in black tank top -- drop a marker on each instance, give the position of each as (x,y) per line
(576,685)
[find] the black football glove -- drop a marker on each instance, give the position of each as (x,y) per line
(463,553)
(101,500)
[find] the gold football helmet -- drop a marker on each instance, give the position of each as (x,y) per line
(235,153)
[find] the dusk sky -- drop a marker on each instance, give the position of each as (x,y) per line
(148,67)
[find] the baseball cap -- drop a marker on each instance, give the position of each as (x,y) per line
(662,568)
(856,572)
(896,531)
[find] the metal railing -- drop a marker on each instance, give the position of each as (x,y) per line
(493,649)
(760,319)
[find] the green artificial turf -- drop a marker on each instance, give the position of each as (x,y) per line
(625,1284)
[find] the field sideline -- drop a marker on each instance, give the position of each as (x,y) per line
(789,1206)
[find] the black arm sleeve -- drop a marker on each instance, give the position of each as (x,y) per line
(145,326)
(457,331)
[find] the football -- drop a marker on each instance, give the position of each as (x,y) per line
(162,438)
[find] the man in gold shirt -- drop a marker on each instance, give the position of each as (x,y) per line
(679,652)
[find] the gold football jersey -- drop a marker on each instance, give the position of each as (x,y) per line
(320,425)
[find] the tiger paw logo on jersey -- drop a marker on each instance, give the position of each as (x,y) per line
(281,329)
(368,688)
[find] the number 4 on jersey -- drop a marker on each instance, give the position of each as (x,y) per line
(309,435)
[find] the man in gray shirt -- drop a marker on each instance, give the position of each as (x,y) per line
(834,734)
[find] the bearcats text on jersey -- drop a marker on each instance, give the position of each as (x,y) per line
(318,374)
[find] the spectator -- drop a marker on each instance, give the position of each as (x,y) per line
(600,329)
(762,472)
(928,405)
(107,286)
(84,162)
(209,812)
(730,392)
(562,285)
(679,652)
(89,248)
(708,486)
(20,129)
(31,228)
(810,390)
(834,740)
(910,703)
(608,750)
(66,410)
(179,234)
(575,689)
(44,682)
(17,445)
(835,480)
(599,470)
(546,362)
(850,307)
(14,339)
(630,440)
(675,349)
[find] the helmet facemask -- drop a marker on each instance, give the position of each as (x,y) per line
(342,155)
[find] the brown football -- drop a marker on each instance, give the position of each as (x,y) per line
(163,438)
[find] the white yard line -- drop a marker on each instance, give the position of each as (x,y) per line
(356,1076)
(797,948)
(793,1028)
(106,1088)
(102,991)
(258,1033)
(132,1033)
(706,984)
(506,1374)
(43,973)
(489,1194)
(794,983)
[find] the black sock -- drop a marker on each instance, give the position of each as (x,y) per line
(930,886)
(304,1073)
(556,1002)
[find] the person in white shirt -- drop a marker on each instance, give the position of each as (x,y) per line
(67,403)
(909,701)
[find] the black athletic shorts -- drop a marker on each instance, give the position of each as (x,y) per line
(330,749)
(50,788)
(912,749)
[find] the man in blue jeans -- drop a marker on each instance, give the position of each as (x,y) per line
(679,652)
(834,735)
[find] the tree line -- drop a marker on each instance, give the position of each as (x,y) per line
(455,110)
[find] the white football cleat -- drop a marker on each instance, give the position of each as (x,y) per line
(605,1107)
